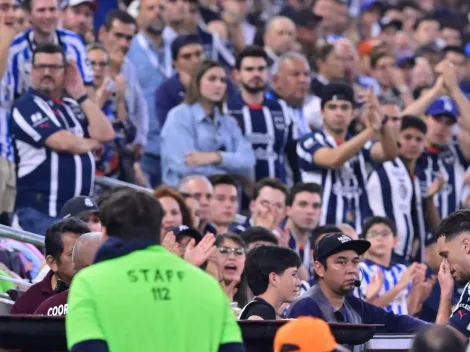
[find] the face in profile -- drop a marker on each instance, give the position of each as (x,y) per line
(456,251)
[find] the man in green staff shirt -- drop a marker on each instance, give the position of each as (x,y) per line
(138,296)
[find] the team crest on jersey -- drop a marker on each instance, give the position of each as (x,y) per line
(448,157)
(402,191)
(278,119)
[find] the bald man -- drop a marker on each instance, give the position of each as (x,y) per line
(83,255)
(279,38)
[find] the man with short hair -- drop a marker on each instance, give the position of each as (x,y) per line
(223,203)
(83,208)
(291,83)
(451,33)
(257,235)
(395,191)
(330,68)
(78,16)
(268,204)
(61,132)
(266,123)
(303,212)
(187,53)
(201,189)
(426,30)
(44,18)
(116,36)
(147,55)
(279,38)
(59,242)
(452,245)
(455,55)
(340,162)
(336,266)
(83,254)
(155,284)
(271,273)
(392,111)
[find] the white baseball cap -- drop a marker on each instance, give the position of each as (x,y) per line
(93,4)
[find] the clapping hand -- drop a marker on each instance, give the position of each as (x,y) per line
(375,285)
(73,80)
(372,115)
(436,186)
(169,242)
(200,253)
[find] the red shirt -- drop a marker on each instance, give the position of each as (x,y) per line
(55,305)
(36,294)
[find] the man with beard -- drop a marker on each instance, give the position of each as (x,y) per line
(147,55)
(54,137)
(78,16)
(336,267)
(265,122)
(453,245)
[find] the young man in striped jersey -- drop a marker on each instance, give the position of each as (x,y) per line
(402,289)
(44,18)
(265,122)
(446,155)
(394,191)
(338,161)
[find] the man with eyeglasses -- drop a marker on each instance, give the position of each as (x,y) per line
(266,123)
(387,284)
(44,18)
(339,162)
(116,36)
(394,191)
(337,273)
(55,136)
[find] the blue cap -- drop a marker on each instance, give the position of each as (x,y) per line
(184,230)
(368,4)
(443,106)
(467,49)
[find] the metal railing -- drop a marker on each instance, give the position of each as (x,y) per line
(22,236)
(113,183)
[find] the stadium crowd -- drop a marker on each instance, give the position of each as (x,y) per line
(310,155)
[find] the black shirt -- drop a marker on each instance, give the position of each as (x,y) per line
(259,307)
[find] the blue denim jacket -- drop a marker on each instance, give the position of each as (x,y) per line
(188,129)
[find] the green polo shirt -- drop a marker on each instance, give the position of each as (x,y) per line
(149,300)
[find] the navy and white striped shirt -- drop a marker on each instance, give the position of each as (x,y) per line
(269,130)
(392,275)
(393,193)
(46,179)
(6,145)
(460,317)
(344,198)
(21,57)
(449,162)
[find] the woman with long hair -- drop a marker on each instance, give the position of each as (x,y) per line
(198,138)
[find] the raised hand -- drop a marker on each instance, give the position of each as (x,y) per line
(169,242)
(73,80)
(266,217)
(446,281)
(197,255)
(375,285)
(436,186)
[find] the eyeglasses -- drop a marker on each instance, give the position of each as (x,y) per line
(373,234)
(228,250)
(51,67)
(101,64)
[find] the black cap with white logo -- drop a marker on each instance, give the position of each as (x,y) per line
(78,207)
(337,242)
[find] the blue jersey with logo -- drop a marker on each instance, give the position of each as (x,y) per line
(268,128)
(460,317)
(344,197)
(46,179)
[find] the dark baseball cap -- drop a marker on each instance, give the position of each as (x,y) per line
(78,207)
(338,242)
(182,41)
(387,22)
(337,91)
(306,18)
(183,230)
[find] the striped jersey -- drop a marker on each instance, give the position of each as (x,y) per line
(344,198)
(21,56)
(392,275)
(395,194)
(460,317)
(6,145)
(449,162)
(268,128)
(46,179)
